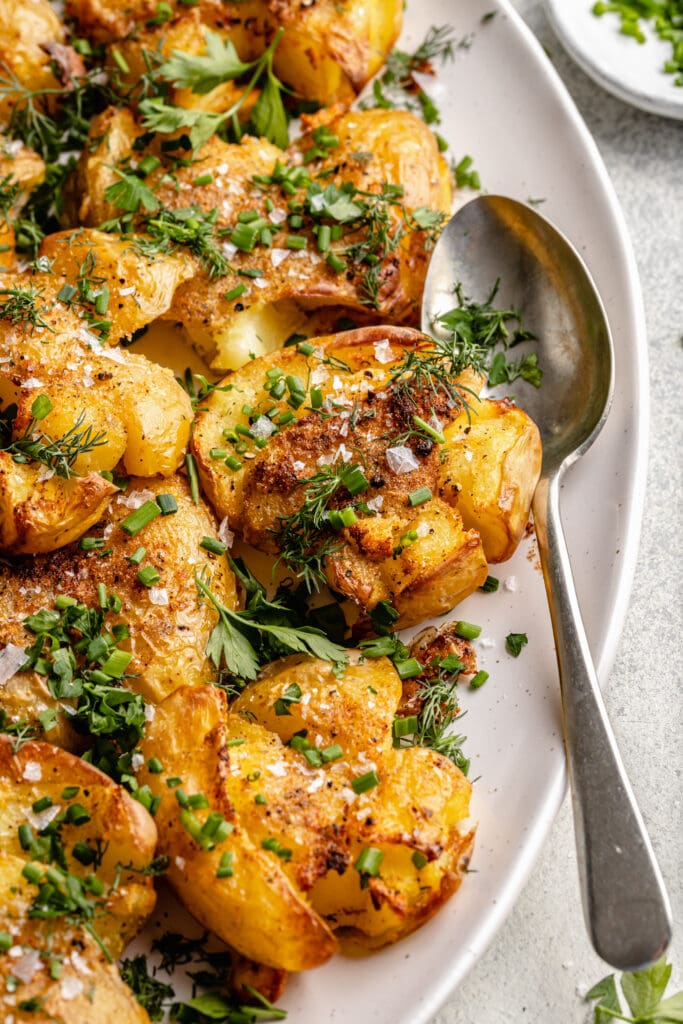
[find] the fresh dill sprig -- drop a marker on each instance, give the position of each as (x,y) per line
(306,538)
(397,85)
(151,993)
(19,305)
(34,445)
(440,708)
(189,227)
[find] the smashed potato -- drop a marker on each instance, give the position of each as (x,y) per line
(168,627)
(491,469)
(420,558)
(302,823)
(104,837)
(327,53)
(283,287)
(134,412)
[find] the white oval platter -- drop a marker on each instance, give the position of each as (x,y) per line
(503,103)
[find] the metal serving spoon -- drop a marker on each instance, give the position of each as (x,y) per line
(624,901)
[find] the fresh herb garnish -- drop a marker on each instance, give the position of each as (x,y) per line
(306,538)
(34,445)
(643,992)
(438,696)
(464,174)
(241,642)
(397,85)
(151,993)
(514,643)
(77,652)
(20,305)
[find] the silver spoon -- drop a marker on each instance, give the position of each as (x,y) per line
(624,901)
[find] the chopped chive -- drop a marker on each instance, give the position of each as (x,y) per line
(173,780)
(197,801)
(149,576)
(25,834)
(404,726)
(490,585)
(102,301)
(478,680)
(42,804)
(117,663)
(137,556)
(204,179)
(420,496)
(339,519)
(305,348)
(233,463)
(295,242)
(332,753)
(224,869)
(324,237)
(218,453)
(356,481)
(247,216)
(285,418)
(191,469)
(83,853)
(216,547)
(236,741)
(419,860)
(335,263)
(313,756)
(316,396)
(167,504)
(32,873)
(140,518)
(409,668)
(6,942)
(155,766)
(66,293)
(69,792)
(466,630)
(90,543)
(77,814)
(435,435)
(235,292)
(149,164)
(260,799)
(251,272)
(364,783)
(102,595)
(63,601)
(369,861)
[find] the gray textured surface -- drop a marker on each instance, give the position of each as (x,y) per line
(541,962)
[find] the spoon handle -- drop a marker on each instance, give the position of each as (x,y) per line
(624,901)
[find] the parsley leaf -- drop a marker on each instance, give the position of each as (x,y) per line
(203,72)
(130,193)
(643,991)
(241,642)
(514,643)
(159,116)
(268,116)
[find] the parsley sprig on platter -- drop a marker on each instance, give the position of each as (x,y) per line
(242,642)
(643,992)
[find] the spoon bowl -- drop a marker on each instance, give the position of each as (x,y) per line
(496,239)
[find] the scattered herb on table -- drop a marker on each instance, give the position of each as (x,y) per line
(643,992)
(514,643)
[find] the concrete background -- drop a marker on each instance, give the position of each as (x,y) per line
(541,963)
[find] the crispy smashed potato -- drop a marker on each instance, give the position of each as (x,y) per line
(305,828)
(421,559)
(491,470)
(168,627)
(327,53)
(128,408)
(255,908)
(287,286)
(95,817)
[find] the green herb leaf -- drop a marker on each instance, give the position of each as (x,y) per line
(644,989)
(130,193)
(514,643)
(203,72)
(268,116)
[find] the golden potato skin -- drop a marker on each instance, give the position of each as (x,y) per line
(420,805)
(257,910)
(24,167)
(491,470)
(167,640)
(291,285)
(126,834)
(328,52)
(374,563)
(138,408)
